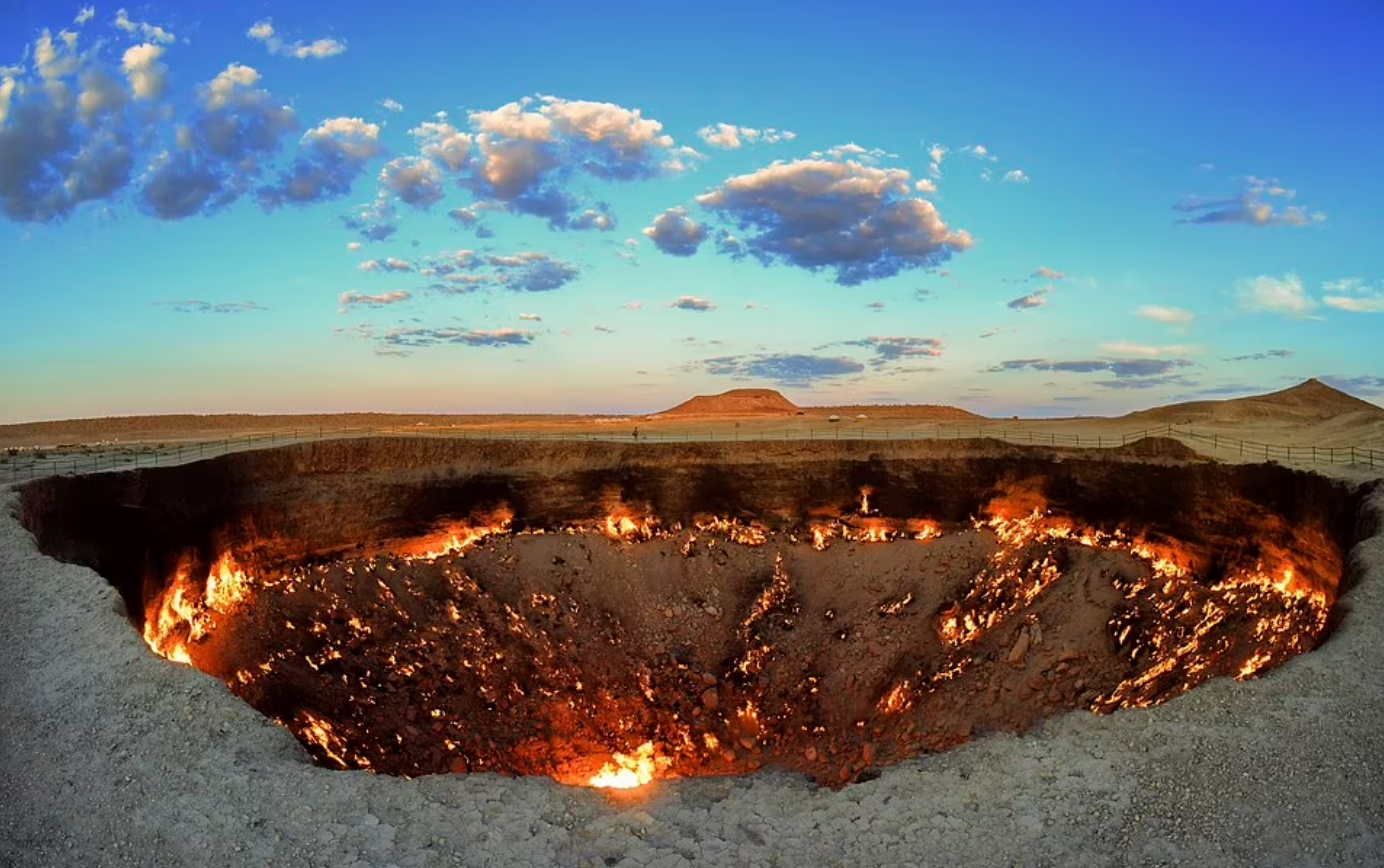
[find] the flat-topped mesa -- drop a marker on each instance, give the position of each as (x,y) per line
(736,402)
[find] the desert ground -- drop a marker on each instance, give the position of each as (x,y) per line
(110,755)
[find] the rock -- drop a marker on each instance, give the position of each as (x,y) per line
(867,753)
(1068,655)
(1020,649)
(710,699)
(747,742)
(810,754)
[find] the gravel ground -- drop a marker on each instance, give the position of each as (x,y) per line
(111,756)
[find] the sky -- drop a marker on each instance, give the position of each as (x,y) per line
(1068,208)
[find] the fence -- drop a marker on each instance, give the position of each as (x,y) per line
(128,456)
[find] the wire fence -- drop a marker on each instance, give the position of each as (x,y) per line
(24,464)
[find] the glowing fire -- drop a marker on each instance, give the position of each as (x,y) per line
(627,771)
(381,620)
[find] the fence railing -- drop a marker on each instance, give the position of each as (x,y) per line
(18,465)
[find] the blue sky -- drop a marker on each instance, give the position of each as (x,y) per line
(1038,209)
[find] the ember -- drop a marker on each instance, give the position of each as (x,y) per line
(623,651)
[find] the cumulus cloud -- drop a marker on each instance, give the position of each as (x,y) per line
(85,14)
(692,302)
(146,75)
(1351,294)
(730,136)
(859,153)
(1118,367)
(372,222)
(788,369)
(140,29)
(527,151)
(1259,357)
(1015,176)
(389,264)
(357,299)
(66,134)
(235,128)
(197,305)
(353,246)
(1047,273)
(1167,315)
(675,233)
(317,49)
(391,105)
(936,154)
(1259,203)
(593,219)
(415,180)
(444,143)
(331,156)
(1036,299)
(1284,295)
(814,214)
(532,271)
(530,317)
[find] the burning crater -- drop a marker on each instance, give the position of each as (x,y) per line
(610,614)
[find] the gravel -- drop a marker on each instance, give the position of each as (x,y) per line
(112,756)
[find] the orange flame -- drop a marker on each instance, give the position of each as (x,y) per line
(627,771)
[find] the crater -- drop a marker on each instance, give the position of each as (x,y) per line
(610,614)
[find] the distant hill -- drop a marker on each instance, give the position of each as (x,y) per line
(1311,401)
(736,402)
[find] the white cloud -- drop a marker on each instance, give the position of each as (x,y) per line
(1126,348)
(730,136)
(444,143)
(857,219)
(147,32)
(1281,295)
(692,302)
(391,105)
(147,76)
(1168,315)
(415,180)
(675,233)
(1015,176)
(317,49)
(85,14)
(530,317)
(1352,295)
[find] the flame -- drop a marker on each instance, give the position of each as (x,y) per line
(177,617)
(627,771)
(1175,628)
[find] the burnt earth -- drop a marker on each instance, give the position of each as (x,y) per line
(545,653)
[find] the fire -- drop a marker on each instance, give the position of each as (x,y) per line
(627,771)
(431,656)
(178,617)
